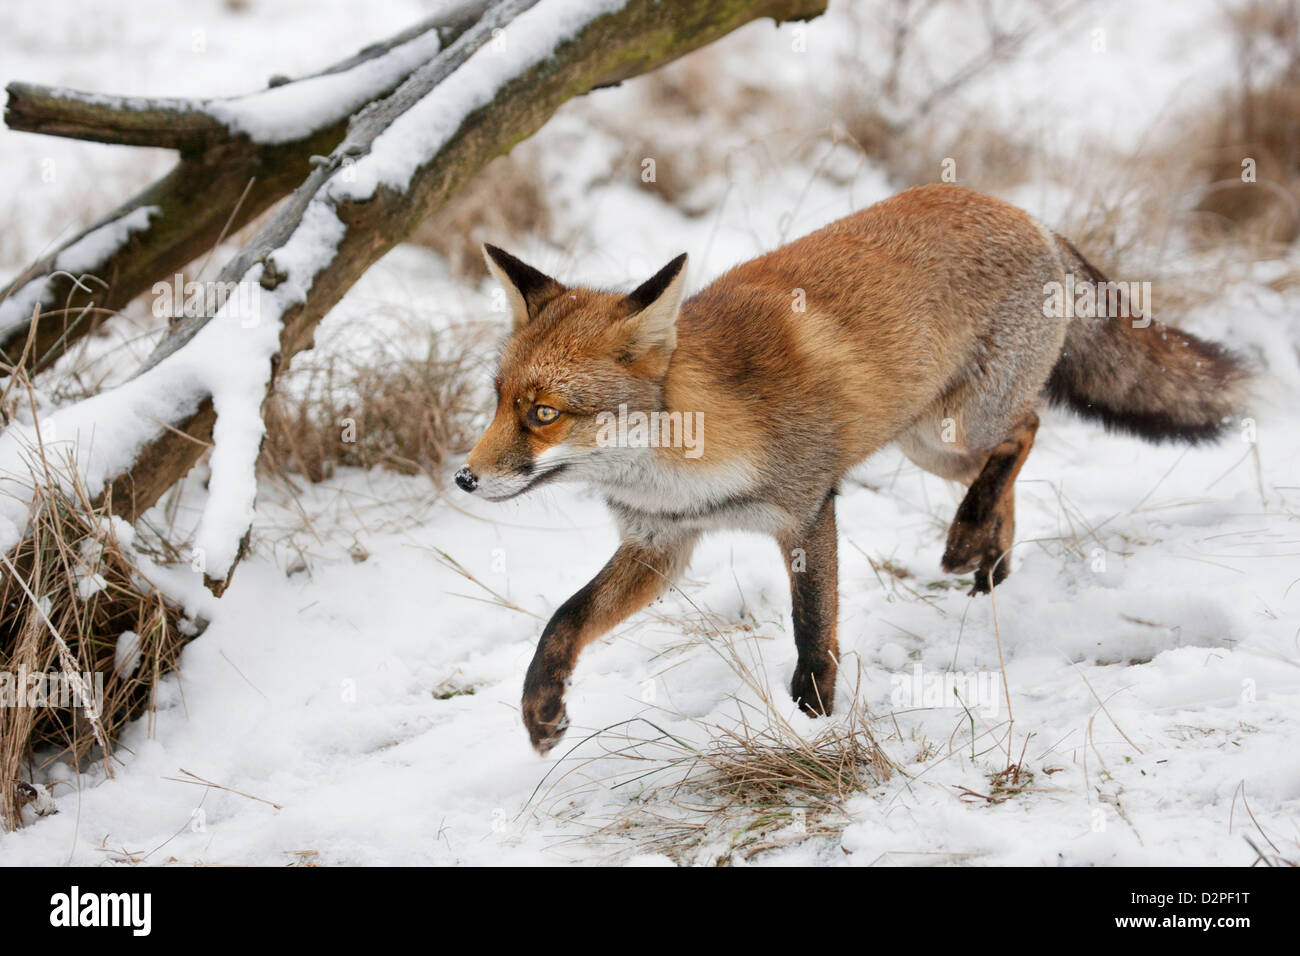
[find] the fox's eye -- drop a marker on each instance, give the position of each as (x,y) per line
(543,414)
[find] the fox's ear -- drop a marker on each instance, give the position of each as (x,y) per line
(655,304)
(527,289)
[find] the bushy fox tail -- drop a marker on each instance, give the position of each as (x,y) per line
(1156,382)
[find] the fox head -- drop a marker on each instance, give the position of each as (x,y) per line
(573,354)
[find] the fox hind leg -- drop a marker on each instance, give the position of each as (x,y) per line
(983,529)
(812,561)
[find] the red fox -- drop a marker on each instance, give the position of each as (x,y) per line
(924,320)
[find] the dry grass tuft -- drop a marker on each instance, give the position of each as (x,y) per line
(1136,223)
(1012,780)
(984,155)
(382,407)
(94,633)
(755,784)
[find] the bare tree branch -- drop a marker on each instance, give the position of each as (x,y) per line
(226,177)
(194,125)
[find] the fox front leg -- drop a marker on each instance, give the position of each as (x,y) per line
(813,563)
(634,576)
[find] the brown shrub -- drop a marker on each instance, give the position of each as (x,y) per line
(408,413)
(1257,124)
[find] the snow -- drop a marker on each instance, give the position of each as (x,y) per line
(83,257)
(1148,629)
(127,654)
(88,580)
(294,110)
(90,251)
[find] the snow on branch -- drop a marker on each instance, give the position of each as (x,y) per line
(280,114)
(287,111)
(78,260)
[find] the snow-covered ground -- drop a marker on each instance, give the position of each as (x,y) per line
(1150,632)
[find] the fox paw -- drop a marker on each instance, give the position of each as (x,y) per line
(990,574)
(977,548)
(813,690)
(545,716)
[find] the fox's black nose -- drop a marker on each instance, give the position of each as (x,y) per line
(466,480)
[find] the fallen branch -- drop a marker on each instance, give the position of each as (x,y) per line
(239,155)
